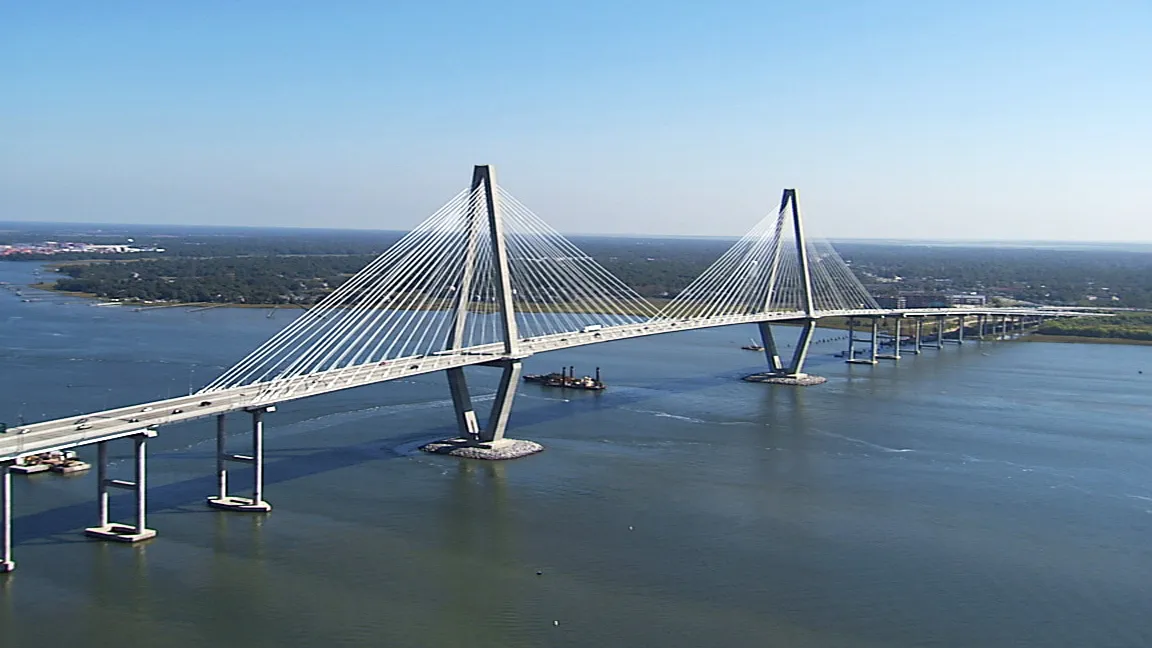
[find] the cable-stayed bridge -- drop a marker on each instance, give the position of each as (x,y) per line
(484,281)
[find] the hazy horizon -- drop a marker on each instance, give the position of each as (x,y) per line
(123,229)
(910,120)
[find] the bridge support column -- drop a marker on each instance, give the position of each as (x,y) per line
(487,442)
(493,431)
(502,403)
(106,530)
(871,359)
(917,341)
(6,562)
(963,319)
(462,402)
(851,354)
(939,342)
(943,323)
(222,500)
(980,320)
(795,367)
(895,355)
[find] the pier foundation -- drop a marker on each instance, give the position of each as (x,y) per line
(106,529)
(222,500)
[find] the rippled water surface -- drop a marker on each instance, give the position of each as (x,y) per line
(997,494)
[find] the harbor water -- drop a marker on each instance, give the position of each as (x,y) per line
(994,494)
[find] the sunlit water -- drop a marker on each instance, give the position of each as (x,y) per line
(997,494)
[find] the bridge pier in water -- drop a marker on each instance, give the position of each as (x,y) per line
(105,529)
(793,372)
(7,564)
(896,342)
(469,426)
(871,359)
(222,500)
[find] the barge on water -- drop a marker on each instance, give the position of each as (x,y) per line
(567,379)
(58,461)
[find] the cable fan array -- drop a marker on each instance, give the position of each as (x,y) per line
(407,302)
(761,273)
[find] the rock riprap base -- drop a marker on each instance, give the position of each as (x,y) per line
(495,451)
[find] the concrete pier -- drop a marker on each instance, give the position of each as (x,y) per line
(105,529)
(487,442)
(791,374)
(871,359)
(6,562)
(937,343)
(895,355)
(222,500)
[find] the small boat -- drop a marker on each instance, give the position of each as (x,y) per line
(752,346)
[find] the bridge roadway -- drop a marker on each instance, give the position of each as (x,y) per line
(84,429)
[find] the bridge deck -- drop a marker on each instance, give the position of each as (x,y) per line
(83,429)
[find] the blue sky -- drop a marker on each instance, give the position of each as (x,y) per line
(974,120)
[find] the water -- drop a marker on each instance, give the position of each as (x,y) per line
(989,495)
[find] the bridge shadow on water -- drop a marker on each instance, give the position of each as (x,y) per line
(50,526)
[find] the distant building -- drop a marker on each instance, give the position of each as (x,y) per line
(971,299)
(892,301)
(924,300)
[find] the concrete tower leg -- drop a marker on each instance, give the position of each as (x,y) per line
(795,366)
(7,564)
(107,530)
(917,344)
(462,403)
(222,500)
(502,404)
(771,352)
(962,320)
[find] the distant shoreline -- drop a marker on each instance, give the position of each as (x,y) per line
(832,324)
(1082,339)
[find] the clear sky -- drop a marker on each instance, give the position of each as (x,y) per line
(990,119)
